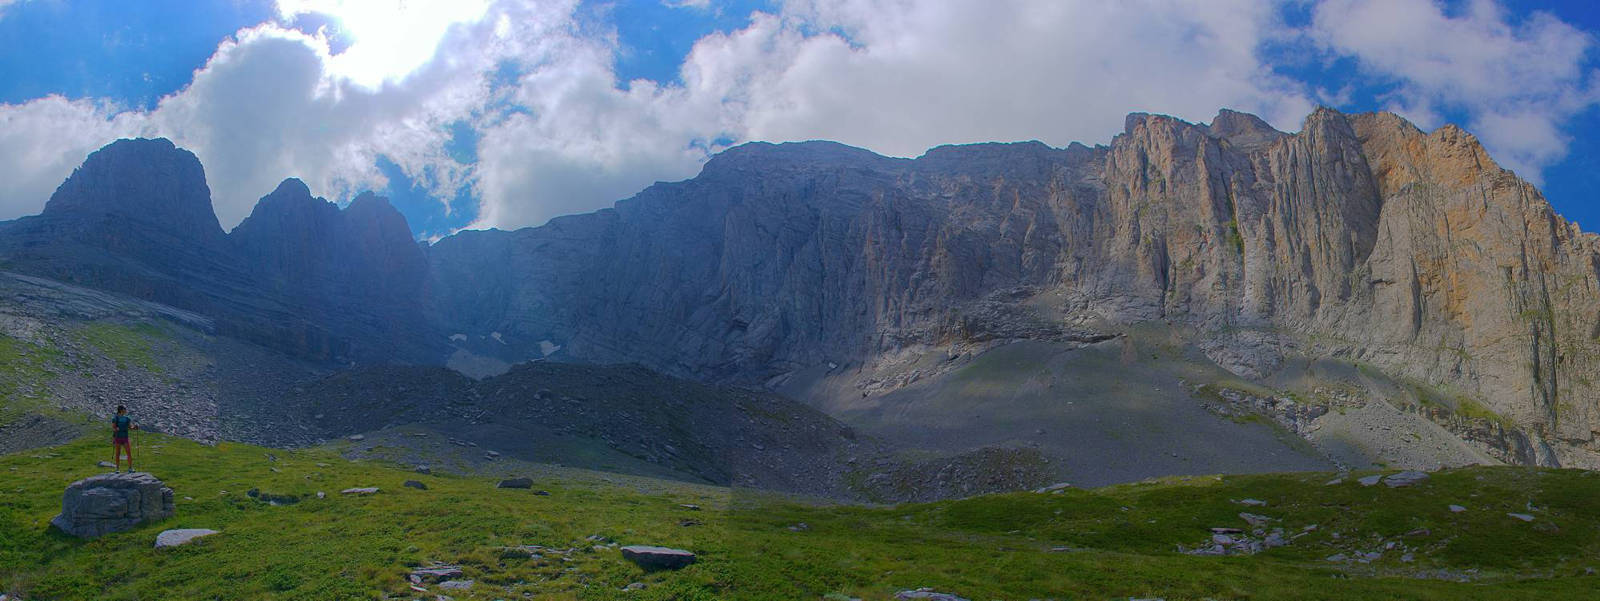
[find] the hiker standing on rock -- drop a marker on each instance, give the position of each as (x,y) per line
(119,439)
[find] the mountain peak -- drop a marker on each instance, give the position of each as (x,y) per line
(291,186)
(1243,129)
(144,180)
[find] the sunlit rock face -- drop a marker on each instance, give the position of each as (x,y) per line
(1358,237)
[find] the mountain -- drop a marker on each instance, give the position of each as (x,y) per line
(1356,293)
(300,275)
(845,276)
(356,271)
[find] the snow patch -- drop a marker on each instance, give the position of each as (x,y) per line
(547,347)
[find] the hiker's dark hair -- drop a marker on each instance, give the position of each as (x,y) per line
(120,408)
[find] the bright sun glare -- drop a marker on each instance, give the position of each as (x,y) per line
(389,38)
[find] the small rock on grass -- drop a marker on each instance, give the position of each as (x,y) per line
(1252,502)
(107,464)
(1256,520)
(182,536)
(928,593)
(415,484)
(1370,480)
(1457,509)
(357,437)
(370,490)
(1521,516)
(435,573)
(456,584)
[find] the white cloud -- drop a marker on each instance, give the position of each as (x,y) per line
(45,139)
(391,38)
(906,76)
(559,133)
(1516,81)
(903,77)
(264,107)
(566,136)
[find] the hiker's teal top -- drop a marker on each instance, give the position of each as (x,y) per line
(121,422)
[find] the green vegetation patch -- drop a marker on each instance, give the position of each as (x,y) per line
(25,368)
(126,345)
(1114,542)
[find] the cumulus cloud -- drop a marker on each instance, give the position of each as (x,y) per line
(895,77)
(266,106)
(1517,82)
(556,131)
(45,139)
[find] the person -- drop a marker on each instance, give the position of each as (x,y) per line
(120,425)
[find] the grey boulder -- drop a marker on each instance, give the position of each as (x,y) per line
(181,536)
(106,503)
(927,593)
(657,558)
(1404,479)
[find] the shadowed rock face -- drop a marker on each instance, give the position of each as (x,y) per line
(356,271)
(1358,237)
(106,503)
(299,275)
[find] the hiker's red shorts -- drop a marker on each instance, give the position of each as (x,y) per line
(119,440)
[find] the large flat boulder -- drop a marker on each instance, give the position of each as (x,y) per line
(657,558)
(106,503)
(181,536)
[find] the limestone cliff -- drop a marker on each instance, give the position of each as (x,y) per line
(1358,237)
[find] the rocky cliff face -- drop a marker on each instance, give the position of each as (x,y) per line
(1358,237)
(300,275)
(356,270)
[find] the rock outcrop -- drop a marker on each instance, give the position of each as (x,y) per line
(1359,237)
(107,503)
(658,558)
(300,275)
(356,272)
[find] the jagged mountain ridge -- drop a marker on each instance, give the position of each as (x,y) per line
(299,275)
(1359,237)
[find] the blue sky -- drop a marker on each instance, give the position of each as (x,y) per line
(504,113)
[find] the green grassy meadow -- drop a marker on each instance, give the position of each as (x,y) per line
(1109,543)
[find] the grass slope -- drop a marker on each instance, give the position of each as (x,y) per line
(1118,541)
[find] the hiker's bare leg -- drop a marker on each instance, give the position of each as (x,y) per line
(127,447)
(116,455)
